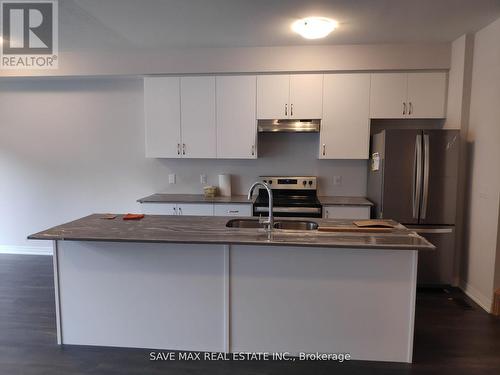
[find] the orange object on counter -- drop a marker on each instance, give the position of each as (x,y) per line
(133,216)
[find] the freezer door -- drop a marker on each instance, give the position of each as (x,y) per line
(435,267)
(401,184)
(440,177)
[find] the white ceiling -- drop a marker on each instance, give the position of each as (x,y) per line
(157,24)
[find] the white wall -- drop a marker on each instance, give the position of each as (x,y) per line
(71,147)
(483,140)
(457,117)
(250,59)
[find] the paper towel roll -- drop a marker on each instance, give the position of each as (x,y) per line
(225,185)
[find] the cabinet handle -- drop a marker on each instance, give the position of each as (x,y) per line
(404,108)
(410,108)
(324,149)
(286,109)
(178,148)
(253,150)
(233,211)
(291,109)
(183,149)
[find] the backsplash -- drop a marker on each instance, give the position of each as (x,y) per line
(294,154)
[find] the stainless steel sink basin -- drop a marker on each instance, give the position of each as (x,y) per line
(285,224)
(296,225)
(244,223)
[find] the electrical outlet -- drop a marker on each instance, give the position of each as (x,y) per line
(337,180)
(203,179)
(171,178)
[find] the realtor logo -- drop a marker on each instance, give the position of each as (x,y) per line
(29,34)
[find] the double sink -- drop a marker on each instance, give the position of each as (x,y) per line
(285,224)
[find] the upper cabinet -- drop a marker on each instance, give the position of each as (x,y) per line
(306,96)
(162,117)
(427,95)
(296,96)
(273,94)
(216,117)
(345,127)
(408,95)
(198,131)
(200,117)
(236,123)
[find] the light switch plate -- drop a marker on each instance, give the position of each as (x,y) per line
(203,179)
(171,178)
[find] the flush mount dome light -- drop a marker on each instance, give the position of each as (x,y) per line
(314,27)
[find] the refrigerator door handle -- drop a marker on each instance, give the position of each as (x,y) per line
(425,195)
(417,176)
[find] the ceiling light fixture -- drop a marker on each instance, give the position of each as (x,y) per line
(314,27)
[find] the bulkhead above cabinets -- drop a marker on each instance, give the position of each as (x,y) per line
(216,116)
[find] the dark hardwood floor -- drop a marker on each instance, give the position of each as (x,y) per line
(452,336)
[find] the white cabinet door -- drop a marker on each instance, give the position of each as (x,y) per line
(345,127)
(426,95)
(195,209)
(159,208)
(162,117)
(273,93)
(306,96)
(198,127)
(388,95)
(240,209)
(236,117)
(346,212)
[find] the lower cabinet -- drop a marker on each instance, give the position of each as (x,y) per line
(198,209)
(159,208)
(233,209)
(346,212)
(195,209)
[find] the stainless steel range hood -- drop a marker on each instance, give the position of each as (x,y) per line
(289,126)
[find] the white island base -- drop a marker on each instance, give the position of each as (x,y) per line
(237,298)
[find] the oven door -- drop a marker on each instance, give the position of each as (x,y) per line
(279,211)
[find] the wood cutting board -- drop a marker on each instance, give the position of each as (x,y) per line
(354,229)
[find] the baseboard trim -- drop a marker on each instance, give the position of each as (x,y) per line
(25,250)
(476,296)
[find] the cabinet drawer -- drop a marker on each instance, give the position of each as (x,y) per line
(159,208)
(195,209)
(346,212)
(233,209)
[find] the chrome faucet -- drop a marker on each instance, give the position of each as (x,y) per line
(270,220)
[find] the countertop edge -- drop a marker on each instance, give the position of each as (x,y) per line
(241,242)
(353,201)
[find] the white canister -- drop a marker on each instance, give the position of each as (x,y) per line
(225,185)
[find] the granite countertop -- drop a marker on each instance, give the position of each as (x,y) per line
(200,198)
(213,230)
(344,201)
(192,198)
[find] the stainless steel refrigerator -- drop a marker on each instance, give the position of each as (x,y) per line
(412,179)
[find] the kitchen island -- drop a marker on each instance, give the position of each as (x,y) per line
(191,283)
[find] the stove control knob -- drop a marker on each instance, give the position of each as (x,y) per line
(304,182)
(310,183)
(270,182)
(264,181)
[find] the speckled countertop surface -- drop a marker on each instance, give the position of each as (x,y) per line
(344,201)
(210,229)
(192,198)
(200,198)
